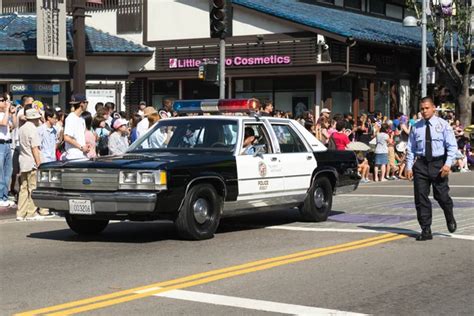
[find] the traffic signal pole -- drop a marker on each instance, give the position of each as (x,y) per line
(222,68)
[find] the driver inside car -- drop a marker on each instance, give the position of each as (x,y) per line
(249,139)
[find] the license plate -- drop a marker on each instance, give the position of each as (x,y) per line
(82,207)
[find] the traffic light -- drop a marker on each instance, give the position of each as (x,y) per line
(209,71)
(220,14)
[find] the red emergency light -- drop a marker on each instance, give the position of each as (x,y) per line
(216,106)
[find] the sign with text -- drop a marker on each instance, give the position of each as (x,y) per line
(51,30)
(99,95)
(237,61)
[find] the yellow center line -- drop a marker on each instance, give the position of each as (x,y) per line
(205,277)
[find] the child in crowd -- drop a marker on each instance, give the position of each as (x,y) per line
(118,140)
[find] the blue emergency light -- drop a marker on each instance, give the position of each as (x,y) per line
(215,105)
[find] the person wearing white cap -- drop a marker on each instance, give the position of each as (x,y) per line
(324,113)
(118,140)
(30,159)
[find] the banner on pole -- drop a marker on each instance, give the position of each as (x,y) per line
(51,30)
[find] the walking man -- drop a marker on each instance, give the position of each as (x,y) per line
(433,144)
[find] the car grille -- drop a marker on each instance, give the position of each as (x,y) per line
(91,180)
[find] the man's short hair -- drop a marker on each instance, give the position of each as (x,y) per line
(99,105)
(426,100)
(249,132)
(110,106)
(48,112)
(267,102)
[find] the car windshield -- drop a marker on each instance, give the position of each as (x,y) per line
(214,134)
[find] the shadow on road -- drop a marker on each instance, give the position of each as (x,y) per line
(145,232)
(387,229)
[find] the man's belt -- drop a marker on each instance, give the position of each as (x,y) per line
(5,141)
(423,158)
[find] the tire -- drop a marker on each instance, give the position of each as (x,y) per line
(86,226)
(318,202)
(199,217)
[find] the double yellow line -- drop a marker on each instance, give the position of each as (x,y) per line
(205,277)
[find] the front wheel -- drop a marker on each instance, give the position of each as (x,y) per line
(86,226)
(318,202)
(201,212)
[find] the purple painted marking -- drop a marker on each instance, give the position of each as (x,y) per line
(371,218)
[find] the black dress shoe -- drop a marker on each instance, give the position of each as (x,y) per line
(425,235)
(452,226)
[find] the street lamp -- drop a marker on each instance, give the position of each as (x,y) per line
(411,21)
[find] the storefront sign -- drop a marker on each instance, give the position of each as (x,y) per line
(39,88)
(51,30)
(237,61)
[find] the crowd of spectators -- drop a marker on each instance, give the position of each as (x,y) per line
(32,133)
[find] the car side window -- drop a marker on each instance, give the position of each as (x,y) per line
(255,137)
(288,140)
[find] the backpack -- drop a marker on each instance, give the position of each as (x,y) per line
(103,145)
(331,144)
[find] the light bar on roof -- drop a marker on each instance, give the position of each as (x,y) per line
(215,106)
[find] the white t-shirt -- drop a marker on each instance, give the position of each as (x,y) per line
(142,127)
(4,130)
(75,127)
(382,143)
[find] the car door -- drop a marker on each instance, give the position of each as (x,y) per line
(260,175)
(297,159)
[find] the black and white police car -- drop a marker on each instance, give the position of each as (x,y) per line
(196,169)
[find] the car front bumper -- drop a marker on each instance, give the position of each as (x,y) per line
(126,202)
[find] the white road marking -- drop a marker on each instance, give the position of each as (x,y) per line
(401,196)
(411,186)
(252,304)
(366,230)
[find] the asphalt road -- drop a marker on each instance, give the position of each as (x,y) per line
(362,260)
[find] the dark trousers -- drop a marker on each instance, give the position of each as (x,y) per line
(427,174)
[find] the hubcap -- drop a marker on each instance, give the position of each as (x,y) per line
(201,210)
(318,197)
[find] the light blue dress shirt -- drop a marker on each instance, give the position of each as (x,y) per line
(48,137)
(442,140)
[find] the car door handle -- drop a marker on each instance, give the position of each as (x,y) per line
(309,157)
(274,159)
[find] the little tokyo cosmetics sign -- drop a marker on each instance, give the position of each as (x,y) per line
(238,61)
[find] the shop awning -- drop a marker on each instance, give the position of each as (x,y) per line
(340,23)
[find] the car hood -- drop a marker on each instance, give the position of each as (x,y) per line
(147,160)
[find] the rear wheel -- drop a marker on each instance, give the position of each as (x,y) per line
(201,212)
(86,226)
(318,202)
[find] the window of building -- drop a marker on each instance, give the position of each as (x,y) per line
(129,17)
(377,6)
(394,11)
(353,4)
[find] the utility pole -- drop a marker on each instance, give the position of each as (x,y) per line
(222,68)
(423,50)
(79,50)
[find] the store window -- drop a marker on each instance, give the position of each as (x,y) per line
(377,6)
(48,93)
(162,89)
(353,4)
(394,11)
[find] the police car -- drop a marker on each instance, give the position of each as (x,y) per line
(196,169)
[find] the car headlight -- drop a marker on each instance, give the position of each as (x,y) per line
(128,177)
(43,176)
(143,180)
(49,178)
(55,176)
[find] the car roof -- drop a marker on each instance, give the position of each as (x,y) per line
(229,117)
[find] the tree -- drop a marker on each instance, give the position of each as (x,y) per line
(449,22)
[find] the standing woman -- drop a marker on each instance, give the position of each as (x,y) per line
(91,136)
(381,152)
